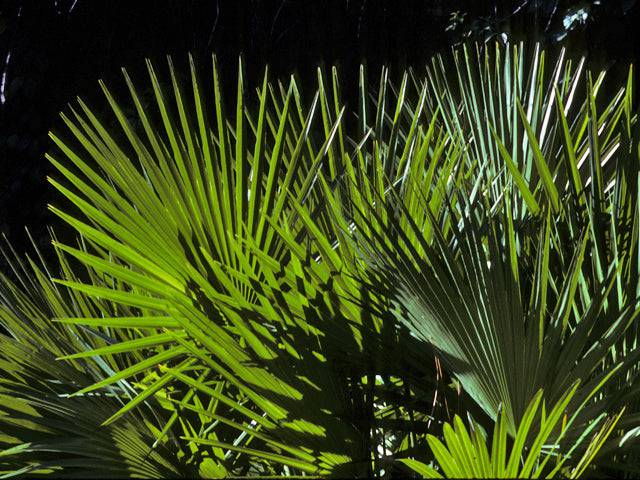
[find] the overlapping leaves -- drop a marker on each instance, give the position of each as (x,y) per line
(286,296)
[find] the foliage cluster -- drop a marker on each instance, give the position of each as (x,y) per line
(289,289)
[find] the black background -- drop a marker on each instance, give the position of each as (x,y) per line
(59,49)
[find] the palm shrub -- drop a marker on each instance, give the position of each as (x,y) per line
(290,289)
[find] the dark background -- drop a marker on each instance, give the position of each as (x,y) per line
(51,51)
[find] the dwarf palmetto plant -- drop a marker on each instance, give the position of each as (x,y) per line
(266,292)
